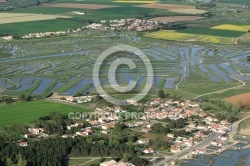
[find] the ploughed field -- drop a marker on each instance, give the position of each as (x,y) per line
(241,99)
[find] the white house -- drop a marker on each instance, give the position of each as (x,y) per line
(149,150)
(23,144)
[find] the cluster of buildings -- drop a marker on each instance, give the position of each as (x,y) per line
(83,132)
(33,133)
(106,118)
(44,34)
(126,24)
(122,24)
(174,110)
(82,99)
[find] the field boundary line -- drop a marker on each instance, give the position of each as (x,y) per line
(177,85)
(220,91)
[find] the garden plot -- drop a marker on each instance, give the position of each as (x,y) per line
(165,51)
(210,75)
(228,69)
(234,53)
(238,58)
(153,55)
(74,89)
(57,86)
(243,77)
(44,84)
(246,65)
(239,54)
(90,90)
(220,73)
(239,68)
(194,51)
(204,52)
(225,51)
(27,83)
(9,71)
(169,83)
(182,53)
(157,82)
(140,81)
(211,53)
(4,84)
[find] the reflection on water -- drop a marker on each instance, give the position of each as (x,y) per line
(227,158)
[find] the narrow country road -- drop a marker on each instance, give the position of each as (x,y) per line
(220,91)
(235,127)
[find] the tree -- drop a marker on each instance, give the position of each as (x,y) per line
(161,94)
(126,156)
(21,161)
(139,161)
(119,127)
(21,97)
(9,162)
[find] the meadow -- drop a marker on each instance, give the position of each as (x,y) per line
(96,10)
(20,17)
(38,26)
(22,113)
(232,27)
(212,32)
(182,36)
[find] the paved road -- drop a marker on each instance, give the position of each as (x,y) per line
(235,127)
(203,144)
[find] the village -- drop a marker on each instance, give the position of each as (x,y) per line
(114,25)
(196,124)
(126,24)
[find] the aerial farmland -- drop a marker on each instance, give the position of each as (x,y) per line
(124,82)
(38,69)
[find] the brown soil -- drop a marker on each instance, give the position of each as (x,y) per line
(241,98)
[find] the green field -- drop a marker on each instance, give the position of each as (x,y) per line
(212,32)
(38,26)
(235,1)
(22,113)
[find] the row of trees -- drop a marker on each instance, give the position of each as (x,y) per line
(162,95)
(222,109)
(52,151)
